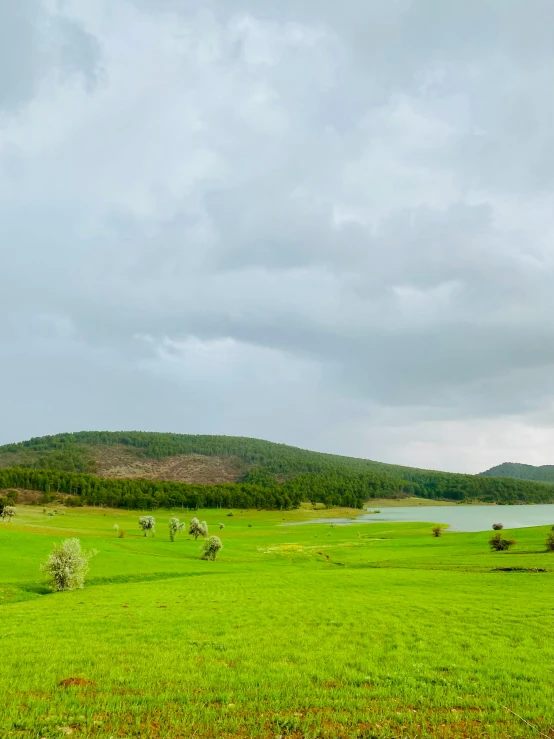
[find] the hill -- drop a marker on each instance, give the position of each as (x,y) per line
(544,473)
(142,469)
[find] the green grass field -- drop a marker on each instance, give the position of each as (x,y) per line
(372,630)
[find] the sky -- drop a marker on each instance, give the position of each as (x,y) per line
(319,223)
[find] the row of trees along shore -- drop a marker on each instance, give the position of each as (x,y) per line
(260,489)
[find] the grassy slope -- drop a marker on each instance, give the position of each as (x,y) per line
(545,473)
(392,634)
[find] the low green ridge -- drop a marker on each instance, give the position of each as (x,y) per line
(544,473)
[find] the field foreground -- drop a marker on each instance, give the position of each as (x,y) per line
(370,631)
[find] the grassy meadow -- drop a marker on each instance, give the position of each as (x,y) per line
(375,630)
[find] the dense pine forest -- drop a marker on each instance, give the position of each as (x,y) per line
(276,476)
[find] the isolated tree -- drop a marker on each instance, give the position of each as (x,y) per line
(115,528)
(221,526)
(498,526)
(499,544)
(147,523)
(66,567)
(8,513)
(175,526)
(197,529)
(437,531)
(550,541)
(211,547)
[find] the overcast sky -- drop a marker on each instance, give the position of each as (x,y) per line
(317,222)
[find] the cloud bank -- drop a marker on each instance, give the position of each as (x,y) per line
(318,223)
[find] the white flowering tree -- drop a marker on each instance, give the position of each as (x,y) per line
(115,528)
(66,567)
(8,512)
(211,547)
(175,526)
(197,529)
(147,524)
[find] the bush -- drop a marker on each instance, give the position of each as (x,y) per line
(147,523)
(499,544)
(230,514)
(8,512)
(121,534)
(498,526)
(550,541)
(67,566)
(197,529)
(174,527)
(437,531)
(211,547)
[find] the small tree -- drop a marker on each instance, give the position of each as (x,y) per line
(115,528)
(437,531)
(175,526)
(499,544)
(8,513)
(498,526)
(221,526)
(211,547)
(197,529)
(147,523)
(550,541)
(67,566)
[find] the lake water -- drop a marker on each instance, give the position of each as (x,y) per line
(458,517)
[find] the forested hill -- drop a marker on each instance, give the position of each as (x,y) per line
(143,469)
(545,473)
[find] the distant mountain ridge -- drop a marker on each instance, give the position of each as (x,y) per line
(517,471)
(136,469)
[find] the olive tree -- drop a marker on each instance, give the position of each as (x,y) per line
(175,526)
(197,529)
(147,523)
(8,512)
(66,567)
(211,547)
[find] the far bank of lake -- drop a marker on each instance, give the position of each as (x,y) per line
(457,517)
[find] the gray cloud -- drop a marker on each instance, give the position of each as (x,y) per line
(325,225)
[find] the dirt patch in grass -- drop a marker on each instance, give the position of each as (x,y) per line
(71,681)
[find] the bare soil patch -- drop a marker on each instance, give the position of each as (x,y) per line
(121,461)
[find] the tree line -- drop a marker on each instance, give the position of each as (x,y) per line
(261,489)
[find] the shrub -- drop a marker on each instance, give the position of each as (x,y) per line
(197,529)
(147,523)
(230,514)
(121,534)
(67,566)
(174,527)
(498,526)
(550,541)
(8,512)
(437,531)
(211,547)
(499,544)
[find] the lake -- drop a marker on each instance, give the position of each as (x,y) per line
(458,517)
